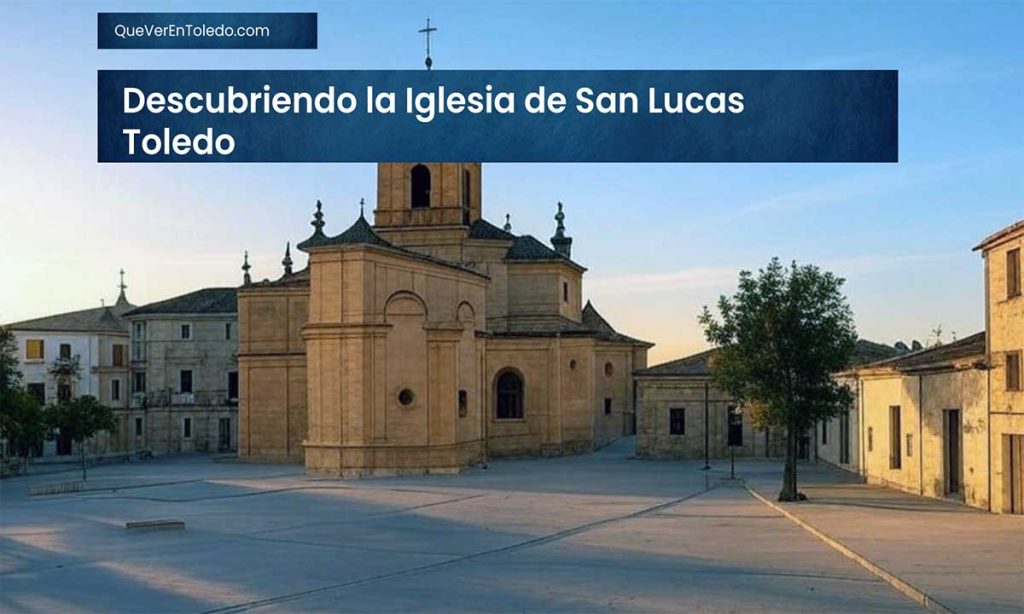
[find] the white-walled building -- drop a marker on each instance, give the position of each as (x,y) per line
(98,337)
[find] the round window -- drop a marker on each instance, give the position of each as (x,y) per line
(406,397)
(608,370)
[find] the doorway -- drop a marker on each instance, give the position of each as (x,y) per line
(224,435)
(952,453)
(844,437)
(1014,479)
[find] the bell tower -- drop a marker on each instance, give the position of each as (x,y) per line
(427,194)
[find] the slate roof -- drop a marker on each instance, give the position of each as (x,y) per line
(526,247)
(699,364)
(95,320)
(296,279)
(592,325)
(205,301)
(943,356)
(361,233)
(484,230)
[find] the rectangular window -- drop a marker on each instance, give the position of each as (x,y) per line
(139,341)
(65,351)
(185,383)
(139,381)
(37,392)
(1013,273)
(565,292)
(186,428)
(910,445)
(232,386)
(227,331)
(463,404)
(607,407)
(871,439)
(677,421)
(1013,371)
(824,432)
(63,393)
(895,438)
(186,331)
(115,390)
(34,349)
(138,427)
(118,355)
(735,416)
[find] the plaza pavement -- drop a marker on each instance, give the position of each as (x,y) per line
(599,532)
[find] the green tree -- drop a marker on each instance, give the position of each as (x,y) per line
(66,371)
(10,376)
(780,338)
(21,421)
(81,418)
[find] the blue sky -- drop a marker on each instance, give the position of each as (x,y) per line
(660,240)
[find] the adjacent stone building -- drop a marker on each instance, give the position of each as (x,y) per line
(429,341)
(98,339)
(948,421)
(682,414)
(1004,348)
(184,375)
(925,421)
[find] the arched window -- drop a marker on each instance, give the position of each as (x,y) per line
(509,388)
(420,187)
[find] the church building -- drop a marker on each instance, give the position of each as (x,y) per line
(428,341)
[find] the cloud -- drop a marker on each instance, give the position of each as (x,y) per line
(876,182)
(724,277)
(683,279)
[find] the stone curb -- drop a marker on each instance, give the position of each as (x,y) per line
(56,488)
(922,598)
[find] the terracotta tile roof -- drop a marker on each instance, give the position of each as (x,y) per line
(698,364)
(995,237)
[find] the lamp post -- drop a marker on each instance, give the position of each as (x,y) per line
(735,437)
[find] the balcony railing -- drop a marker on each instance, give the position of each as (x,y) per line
(167,398)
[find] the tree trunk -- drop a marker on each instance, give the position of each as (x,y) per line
(82,448)
(789,490)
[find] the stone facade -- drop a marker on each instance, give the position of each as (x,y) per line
(925,422)
(184,375)
(682,415)
(429,341)
(1004,322)
(949,421)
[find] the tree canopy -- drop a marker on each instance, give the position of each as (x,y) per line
(781,337)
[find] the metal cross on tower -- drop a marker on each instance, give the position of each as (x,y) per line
(426,32)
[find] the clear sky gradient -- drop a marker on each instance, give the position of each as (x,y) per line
(660,240)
